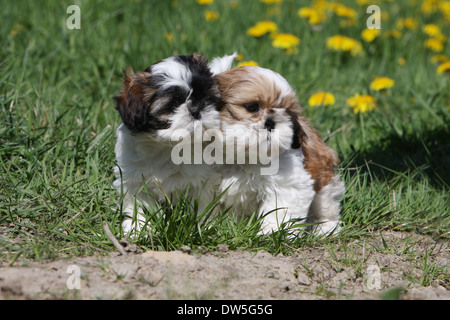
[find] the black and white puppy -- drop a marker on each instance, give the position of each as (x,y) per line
(173,97)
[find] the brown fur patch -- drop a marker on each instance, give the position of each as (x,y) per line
(320,160)
(133,86)
(132,99)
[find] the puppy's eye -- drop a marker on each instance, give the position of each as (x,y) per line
(172,106)
(252,107)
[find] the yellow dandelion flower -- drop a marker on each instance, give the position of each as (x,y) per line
(323,5)
(363,2)
(344,23)
(271,1)
(285,41)
(321,99)
(408,23)
(335,42)
(262,28)
(17,28)
(401,61)
(369,35)
(434,44)
(443,67)
(344,12)
(273,11)
(381,83)
(205,2)
(439,58)
(290,51)
(361,103)
(234,4)
(444,7)
(313,16)
(248,63)
(343,43)
(353,46)
(440,37)
(393,34)
(305,12)
(168,36)
(430,6)
(431,30)
(211,15)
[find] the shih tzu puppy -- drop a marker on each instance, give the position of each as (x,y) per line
(260,109)
(172,98)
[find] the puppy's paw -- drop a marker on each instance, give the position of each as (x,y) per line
(327,228)
(133,228)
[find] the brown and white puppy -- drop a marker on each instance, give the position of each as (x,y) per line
(260,108)
(170,99)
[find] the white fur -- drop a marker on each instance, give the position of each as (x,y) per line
(176,73)
(290,191)
(277,79)
(221,64)
(141,159)
(248,133)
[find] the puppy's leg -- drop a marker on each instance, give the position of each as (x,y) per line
(320,162)
(290,206)
(274,217)
(325,208)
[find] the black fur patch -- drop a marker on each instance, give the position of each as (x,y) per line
(136,110)
(299,136)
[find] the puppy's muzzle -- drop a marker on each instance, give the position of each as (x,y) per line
(195,113)
(194,110)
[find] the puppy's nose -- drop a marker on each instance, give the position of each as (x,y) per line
(195,113)
(269,125)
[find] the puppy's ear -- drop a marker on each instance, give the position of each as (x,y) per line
(218,65)
(293,109)
(299,135)
(320,160)
(198,56)
(199,59)
(132,100)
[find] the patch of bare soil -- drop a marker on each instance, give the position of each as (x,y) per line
(362,269)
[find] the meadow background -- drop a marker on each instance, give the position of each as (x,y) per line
(57,116)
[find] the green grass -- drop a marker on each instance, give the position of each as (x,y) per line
(57,121)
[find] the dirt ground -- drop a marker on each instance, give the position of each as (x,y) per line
(363,269)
